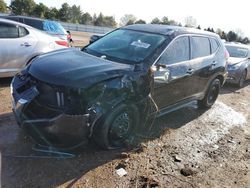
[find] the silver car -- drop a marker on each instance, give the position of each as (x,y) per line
(19,44)
(238,63)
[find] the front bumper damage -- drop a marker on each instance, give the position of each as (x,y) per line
(48,125)
(233,76)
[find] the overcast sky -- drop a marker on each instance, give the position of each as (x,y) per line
(227,15)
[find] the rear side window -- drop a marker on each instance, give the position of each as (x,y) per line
(178,51)
(214,45)
(200,47)
(8,31)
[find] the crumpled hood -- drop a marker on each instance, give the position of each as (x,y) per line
(74,68)
(235,60)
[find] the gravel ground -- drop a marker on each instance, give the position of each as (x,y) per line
(187,148)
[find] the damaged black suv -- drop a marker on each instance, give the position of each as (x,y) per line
(114,85)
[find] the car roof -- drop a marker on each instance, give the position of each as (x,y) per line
(236,44)
(14,22)
(26,17)
(168,29)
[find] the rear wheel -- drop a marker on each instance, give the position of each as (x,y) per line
(211,95)
(116,127)
(242,78)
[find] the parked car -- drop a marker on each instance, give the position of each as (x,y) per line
(238,63)
(95,38)
(110,88)
(52,28)
(20,44)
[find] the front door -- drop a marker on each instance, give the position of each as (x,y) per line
(172,74)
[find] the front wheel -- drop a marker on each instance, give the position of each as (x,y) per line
(115,128)
(211,95)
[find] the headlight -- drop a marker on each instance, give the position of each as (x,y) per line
(234,67)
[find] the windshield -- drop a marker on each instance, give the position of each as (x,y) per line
(235,51)
(53,27)
(126,46)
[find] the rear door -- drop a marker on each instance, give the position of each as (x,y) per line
(16,48)
(203,63)
(171,74)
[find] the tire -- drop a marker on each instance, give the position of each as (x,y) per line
(115,128)
(242,79)
(211,94)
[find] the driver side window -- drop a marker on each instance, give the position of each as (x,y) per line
(178,51)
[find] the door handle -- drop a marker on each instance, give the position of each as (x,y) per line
(26,44)
(214,63)
(190,71)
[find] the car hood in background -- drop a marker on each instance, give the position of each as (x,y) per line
(74,68)
(235,60)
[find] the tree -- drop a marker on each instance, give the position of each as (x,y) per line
(99,20)
(232,36)
(3,6)
(65,12)
(224,35)
(245,40)
(190,21)
(40,10)
(140,22)
(127,19)
(173,22)
(75,14)
(156,21)
(86,18)
(109,21)
(52,13)
(22,7)
(165,20)
(199,27)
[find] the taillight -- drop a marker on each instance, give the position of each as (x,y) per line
(226,54)
(62,43)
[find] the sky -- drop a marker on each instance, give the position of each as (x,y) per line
(225,14)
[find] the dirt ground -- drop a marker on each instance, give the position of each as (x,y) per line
(186,148)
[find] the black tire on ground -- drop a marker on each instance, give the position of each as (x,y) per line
(242,78)
(116,127)
(211,95)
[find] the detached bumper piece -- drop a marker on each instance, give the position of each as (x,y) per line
(47,125)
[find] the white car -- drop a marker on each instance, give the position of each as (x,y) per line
(19,44)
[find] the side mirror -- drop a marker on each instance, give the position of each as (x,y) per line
(161,74)
(94,38)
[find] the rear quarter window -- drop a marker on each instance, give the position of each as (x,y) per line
(22,31)
(214,45)
(200,46)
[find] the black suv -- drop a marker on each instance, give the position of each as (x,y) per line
(116,84)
